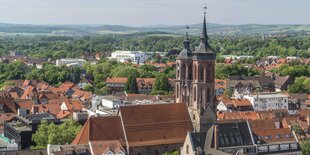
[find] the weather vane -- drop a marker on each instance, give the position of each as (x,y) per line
(205,7)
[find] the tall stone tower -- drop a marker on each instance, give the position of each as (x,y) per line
(195,81)
(184,74)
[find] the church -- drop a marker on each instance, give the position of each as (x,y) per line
(195,81)
(163,128)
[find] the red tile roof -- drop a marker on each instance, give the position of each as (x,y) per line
(29,92)
(116,80)
(304,112)
(220,84)
(83,95)
(101,147)
(52,107)
(274,135)
(9,106)
(152,124)
(238,115)
(241,103)
(100,129)
(144,125)
(63,89)
(266,124)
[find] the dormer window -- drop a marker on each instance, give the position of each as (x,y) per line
(81,150)
(69,152)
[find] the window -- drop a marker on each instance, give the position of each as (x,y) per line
(194,117)
(195,72)
(195,96)
(201,73)
(81,151)
(178,90)
(208,95)
(187,149)
(183,71)
(190,68)
(208,72)
(69,152)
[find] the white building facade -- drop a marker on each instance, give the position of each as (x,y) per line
(111,102)
(70,62)
(265,102)
(136,57)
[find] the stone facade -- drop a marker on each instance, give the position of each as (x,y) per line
(195,82)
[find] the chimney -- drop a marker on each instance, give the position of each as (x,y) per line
(308,120)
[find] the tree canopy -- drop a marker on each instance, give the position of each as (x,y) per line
(301,85)
(55,134)
(223,71)
(131,85)
(161,85)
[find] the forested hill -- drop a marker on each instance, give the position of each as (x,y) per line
(82,30)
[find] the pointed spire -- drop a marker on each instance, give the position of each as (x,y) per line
(186,53)
(204,35)
(204,46)
(186,40)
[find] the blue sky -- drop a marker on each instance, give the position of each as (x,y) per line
(154,12)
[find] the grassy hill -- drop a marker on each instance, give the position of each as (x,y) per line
(82,30)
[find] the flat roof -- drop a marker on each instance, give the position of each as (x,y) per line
(269,96)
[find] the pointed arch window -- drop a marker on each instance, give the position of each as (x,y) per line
(178,91)
(208,74)
(195,95)
(208,95)
(201,73)
(183,72)
(190,68)
(195,72)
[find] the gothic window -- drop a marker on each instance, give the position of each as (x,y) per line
(183,71)
(208,95)
(208,75)
(201,72)
(178,70)
(195,96)
(187,149)
(178,89)
(195,72)
(190,72)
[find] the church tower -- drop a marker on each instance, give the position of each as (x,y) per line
(195,81)
(184,74)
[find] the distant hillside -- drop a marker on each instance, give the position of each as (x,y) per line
(82,30)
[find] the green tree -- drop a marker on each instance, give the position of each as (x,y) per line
(125,71)
(147,71)
(89,88)
(55,134)
(161,85)
(296,128)
(228,92)
(305,146)
(301,85)
(131,85)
